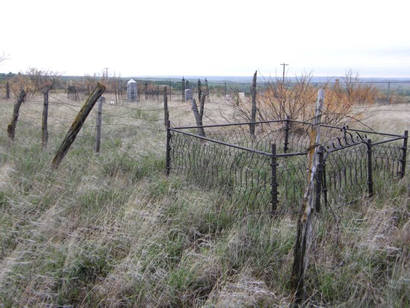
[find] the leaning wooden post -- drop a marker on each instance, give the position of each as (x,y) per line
(11,129)
(168,149)
(274,180)
(199,90)
(7,90)
(98,126)
(44,129)
(183,89)
(324,184)
(369,167)
(404,154)
(319,178)
(166,112)
(77,124)
(253,110)
(304,236)
(198,115)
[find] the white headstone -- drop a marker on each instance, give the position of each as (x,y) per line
(188,94)
(132,90)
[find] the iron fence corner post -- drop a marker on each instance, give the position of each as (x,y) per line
(168,149)
(274,183)
(319,179)
(324,184)
(369,167)
(404,154)
(287,126)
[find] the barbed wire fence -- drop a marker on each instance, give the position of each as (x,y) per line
(249,176)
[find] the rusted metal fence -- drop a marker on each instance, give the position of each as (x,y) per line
(267,171)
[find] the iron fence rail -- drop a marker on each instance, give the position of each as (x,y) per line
(268,170)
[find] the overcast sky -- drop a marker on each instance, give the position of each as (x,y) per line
(153,37)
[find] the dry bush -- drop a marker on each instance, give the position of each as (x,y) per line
(357,93)
(21,82)
(89,83)
(33,81)
(281,100)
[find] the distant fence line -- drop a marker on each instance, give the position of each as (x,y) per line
(149,88)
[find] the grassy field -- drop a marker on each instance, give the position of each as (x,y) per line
(112,230)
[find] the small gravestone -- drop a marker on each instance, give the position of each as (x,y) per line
(241,94)
(132,90)
(188,94)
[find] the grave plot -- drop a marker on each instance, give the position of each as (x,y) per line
(267,171)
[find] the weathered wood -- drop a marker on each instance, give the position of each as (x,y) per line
(11,128)
(77,124)
(198,117)
(166,112)
(199,113)
(44,128)
(168,149)
(202,106)
(253,110)
(199,89)
(101,101)
(7,90)
(183,89)
(207,89)
(305,235)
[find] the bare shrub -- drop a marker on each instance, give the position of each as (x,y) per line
(296,100)
(33,81)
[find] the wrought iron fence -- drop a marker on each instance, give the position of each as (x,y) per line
(267,170)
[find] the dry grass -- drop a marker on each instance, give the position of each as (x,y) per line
(112,230)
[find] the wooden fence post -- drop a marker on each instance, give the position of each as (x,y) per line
(253,111)
(7,90)
(166,112)
(77,124)
(44,128)
(101,101)
(369,167)
(274,180)
(11,128)
(319,178)
(183,89)
(305,235)
(324,184)
(404,154)
(168,149)
(198,114)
